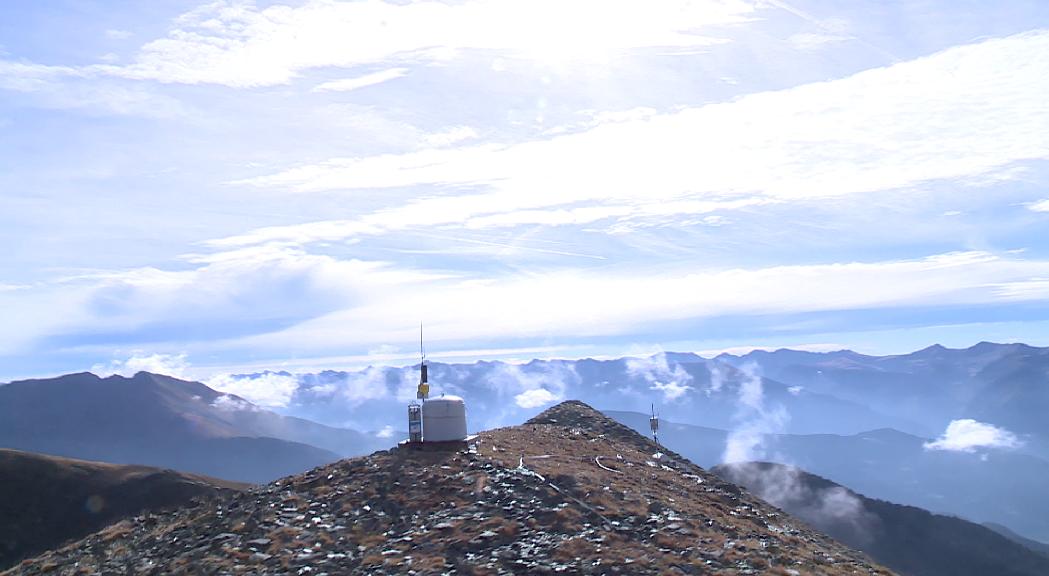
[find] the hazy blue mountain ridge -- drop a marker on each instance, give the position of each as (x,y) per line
(998,486)
(1006,385)
(161,421)
(699,391)
(909,540)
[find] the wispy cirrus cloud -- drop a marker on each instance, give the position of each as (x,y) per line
(453,135)
(526,174)
(239,44)
(349,84)
(934,118)
(815,40)
(581,304)
(84,88)
(117,34)
(305,304)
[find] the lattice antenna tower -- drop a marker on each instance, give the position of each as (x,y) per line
(653,422)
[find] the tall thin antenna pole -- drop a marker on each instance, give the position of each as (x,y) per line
(424,385)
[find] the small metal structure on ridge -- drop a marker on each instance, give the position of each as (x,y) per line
(653,422)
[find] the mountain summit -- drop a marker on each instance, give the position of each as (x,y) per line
(569,492)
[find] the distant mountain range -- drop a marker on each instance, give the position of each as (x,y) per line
(157,420)
(685,387)
(909,540)
(839,392)
(863,421)
(1002,384)
(45,500)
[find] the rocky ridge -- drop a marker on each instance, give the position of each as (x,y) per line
(570,492)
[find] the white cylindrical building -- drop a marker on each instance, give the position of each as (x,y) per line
(444,419)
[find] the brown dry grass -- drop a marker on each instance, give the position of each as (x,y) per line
(569,457)
(573,548)
(428,564)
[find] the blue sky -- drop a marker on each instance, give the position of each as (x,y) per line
(231,186)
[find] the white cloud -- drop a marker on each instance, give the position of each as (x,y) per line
(673,382)
(386,432)
(114,34)
(785,487)
(1040,206)
(386,351)
(453,135)
(31,77)
(581,303)
(671,390)
(239,44)
(754,420)
(1032,289)
(270,300)
(327,389)
(372,79)
(815,40)
(535,398)
(71,88)
(507,378)
(795,390)
(230,403)
(370,384)
(268,389)
(166,364)
(256,285)
(959,114)
(967,435)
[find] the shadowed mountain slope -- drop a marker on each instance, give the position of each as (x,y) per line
(569,492)
(907,539)
(46,500)
(161,421)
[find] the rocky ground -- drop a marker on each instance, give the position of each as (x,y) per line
(570,492)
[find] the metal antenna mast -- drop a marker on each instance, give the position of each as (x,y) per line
(424,386)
